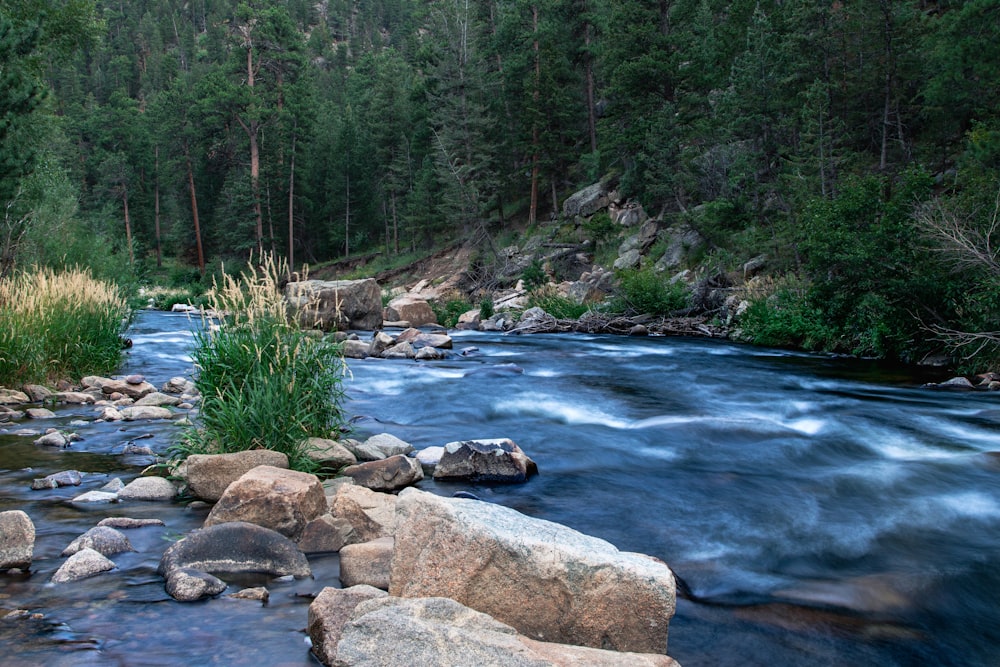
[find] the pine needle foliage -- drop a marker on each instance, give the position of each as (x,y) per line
(59,326)
(265,383)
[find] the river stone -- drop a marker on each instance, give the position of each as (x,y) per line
(355,349)
(337,304)
(328,613)
(187,585)
(469,320)
(135,391)
(276,498)
(113,485)
(498,460)
(381,342)
(548,581)
(208,475)
(429,457)
(96,497)
(145,412)
(158,399)
(9,414)
(54,439)
(12,397)
(329,453)
(234,548)
(439,631)
(391,474)
(39,413)
(367,563)
(178,385)
(400,351)
(103,539)
(37,393)
(410,308)
(361,450)
(389,444)
(419,339)
(257,593)
(148,488)
(58,479)
(84,563)
(17,540)
(430,354)
(372,515)
(128,522)
(73,397)
(325,534)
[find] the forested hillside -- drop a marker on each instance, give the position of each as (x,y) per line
(855,142)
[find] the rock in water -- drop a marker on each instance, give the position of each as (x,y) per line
(208,475)
(499,460)
(17,540)
(235,548)
(84,563)
(548,581)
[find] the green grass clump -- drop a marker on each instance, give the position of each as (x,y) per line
(59,326)
(265,383)
(555,305)
(645,292)
(447,312)
(784,317)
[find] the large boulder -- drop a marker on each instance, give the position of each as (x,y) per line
(236,548)
(367,563)
(548,581)
(337,304)
(141,412)
(372,515)
(428,632)
(410,308)
(208,475)
(587,201)
(391,474)
(17,540)
(276,498)
(497,460)
(328,613)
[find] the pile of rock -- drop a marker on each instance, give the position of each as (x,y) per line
(411,343)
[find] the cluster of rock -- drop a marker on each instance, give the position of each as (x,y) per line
(982,382)
(411,343)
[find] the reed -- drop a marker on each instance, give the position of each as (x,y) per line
(59,326)
(265,383)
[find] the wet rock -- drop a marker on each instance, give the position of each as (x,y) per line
(338,304)
(37,393)
(328,613)
(84,563)
(419,339)
(234,548)
(411,308)
(388,444)
(639,330)
(391,474)
(17,540)
(372,515)
(96,497)
(8,414)
(73,397)
(58,479)
(12,397)
(208,475)
(113,486)
(110,414)
(128,522)
(430,354)
(329,453)
(367,563)
(157,399)
(54,439)
(325,534)
(258,593)
(187,585)
(135,391)
(429,457)
(276,498)
(355,349)
(39,413)
(954,384)
(381,342)
(103,539)
(148,488)
(469,320)
(498,460)
(548,581)
(399,351)
(131,414)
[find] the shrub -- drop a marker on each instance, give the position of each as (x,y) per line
(785,318)
(59,325)
(264,382)
(448,312)
(555,305)
(643,291)
(534,276)
(486,309)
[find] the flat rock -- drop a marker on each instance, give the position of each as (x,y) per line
(110,414)
(548,581)
(148,488)
(234,548)
(257,593)
(391,474)
(73,397)
(12,397)
(54,439)
(208,475)
(39,413)
(136,413)
(58,479)
(328,613)
(276,498)
(389,444)
(157,399)
(84,563)
(134,390)
(128,522)
(367,563)
(96,497)
(17,540)
(103,539)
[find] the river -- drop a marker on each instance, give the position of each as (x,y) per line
(820,511)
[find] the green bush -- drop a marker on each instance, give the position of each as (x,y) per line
(59,326)
(486,309)
(264,383)
(448,312)
(786,319)
(534,276)
(644,291)
(555,305)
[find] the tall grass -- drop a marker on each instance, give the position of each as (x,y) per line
(264,382)
(59,326)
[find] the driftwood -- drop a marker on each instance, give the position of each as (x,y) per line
(616,324)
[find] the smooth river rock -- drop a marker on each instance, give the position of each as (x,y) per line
(234,548)
(391,474)
(550,582)
(84,563)
(17,540)
(208,475)
(103,539)
(148,488)
(497,460)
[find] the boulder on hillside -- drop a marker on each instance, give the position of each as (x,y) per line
(410,308)
(337,304)
(276,498)
(372,515)
(497,460)
(587,201)
(439,631)
(208,475)
(390,474)
(548,581)
(17,540)
(235,548)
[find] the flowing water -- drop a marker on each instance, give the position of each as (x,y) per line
(819,511)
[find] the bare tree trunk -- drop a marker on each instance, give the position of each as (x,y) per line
(194,210)
(128,227)
(589,77)
(395,225)
(156,207)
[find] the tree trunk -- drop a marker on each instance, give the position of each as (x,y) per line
(589,77)
(395,225)
(194,210)
(128,227)
(536,94)
(347,220)
(291,208)
(156,207)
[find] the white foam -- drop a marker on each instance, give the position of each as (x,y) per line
(807,425)
(539,406)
